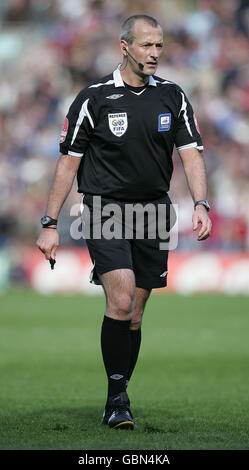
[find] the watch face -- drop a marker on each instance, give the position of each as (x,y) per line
(44,220)
(203,203)
(206,204)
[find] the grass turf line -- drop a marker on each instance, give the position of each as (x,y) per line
(189,389)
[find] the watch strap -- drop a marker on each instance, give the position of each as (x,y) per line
(204,203)
(46,221)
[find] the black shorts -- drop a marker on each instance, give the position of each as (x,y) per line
(143,255)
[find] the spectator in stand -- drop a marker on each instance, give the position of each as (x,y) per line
(50,50)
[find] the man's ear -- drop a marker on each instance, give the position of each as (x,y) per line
(123,46)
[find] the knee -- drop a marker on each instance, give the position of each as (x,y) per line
(122,306)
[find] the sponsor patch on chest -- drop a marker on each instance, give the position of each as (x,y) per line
(118,123)
(164,122)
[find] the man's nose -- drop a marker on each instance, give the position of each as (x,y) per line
(154,52)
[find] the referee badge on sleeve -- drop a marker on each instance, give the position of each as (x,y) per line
(64,131)
(118,123)
(196,124)
(164,122)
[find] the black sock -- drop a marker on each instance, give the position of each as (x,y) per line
(135,347)
(116,351)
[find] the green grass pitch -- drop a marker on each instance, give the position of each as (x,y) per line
(189,389)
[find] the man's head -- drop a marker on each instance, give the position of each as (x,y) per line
(141,37)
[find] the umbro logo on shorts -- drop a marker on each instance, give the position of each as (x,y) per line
(116,376)
(113,97)
(164,274)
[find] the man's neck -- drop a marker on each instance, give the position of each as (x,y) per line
(133,79)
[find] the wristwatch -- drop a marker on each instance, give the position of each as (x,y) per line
(46,221)
(203,203)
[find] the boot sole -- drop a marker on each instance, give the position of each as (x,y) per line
(124,425)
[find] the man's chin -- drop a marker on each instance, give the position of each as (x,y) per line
(149,69)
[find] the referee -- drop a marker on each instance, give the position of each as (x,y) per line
(118,136)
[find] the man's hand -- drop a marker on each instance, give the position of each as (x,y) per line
(48,242)
(200,216)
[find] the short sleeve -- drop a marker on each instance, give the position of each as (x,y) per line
(187,131)
(78,126)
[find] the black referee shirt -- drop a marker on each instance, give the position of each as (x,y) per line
(126,136)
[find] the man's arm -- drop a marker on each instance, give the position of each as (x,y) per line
(195,171)
(66,169)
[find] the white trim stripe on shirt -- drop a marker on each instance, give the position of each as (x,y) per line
(75,154)
(83,113)
(189,146)
(185,115)
(109,82)
(139,93)
(166,82)
(82,205)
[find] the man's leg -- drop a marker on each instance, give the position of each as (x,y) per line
(142,296)
(120,291)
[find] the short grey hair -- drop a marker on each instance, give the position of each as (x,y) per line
(126,31)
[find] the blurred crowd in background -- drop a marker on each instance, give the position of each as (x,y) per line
(51,49)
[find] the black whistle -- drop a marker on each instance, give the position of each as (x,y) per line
(52,263)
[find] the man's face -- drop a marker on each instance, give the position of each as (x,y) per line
(146,47)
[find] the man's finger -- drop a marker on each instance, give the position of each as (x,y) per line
(207,230)
(48,255)
(203,230)
(203,238)
(195,224)
(53,252)
(204,235)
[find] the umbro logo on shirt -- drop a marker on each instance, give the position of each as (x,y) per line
(113,97)
(164,274)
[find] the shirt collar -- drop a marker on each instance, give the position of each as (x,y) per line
(152,82)
(118,81)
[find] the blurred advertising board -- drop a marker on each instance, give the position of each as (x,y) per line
(224,272)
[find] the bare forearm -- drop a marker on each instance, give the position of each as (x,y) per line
(195,171)
(61,186)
